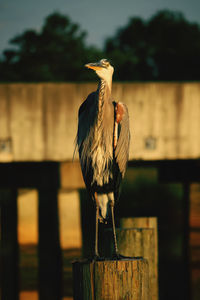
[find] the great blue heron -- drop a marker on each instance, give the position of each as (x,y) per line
(103,143)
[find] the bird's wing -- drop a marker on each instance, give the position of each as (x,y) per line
(85,135)
(121,148)
(85,118)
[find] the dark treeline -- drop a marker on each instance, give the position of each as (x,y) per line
(166,47)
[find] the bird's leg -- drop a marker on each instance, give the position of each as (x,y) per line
(97,223)
(116,254)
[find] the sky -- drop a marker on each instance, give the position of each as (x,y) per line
(100,19)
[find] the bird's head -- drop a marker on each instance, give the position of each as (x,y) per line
(102,68)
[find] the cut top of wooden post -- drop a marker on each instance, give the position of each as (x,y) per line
(111,280)
(143,222)
(139,222)
(141,231)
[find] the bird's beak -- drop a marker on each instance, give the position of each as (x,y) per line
(93,66)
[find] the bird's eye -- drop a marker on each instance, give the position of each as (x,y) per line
(105,63)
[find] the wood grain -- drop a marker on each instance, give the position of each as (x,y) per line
(111,280)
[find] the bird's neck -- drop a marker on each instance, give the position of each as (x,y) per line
(106,83)
(104,93)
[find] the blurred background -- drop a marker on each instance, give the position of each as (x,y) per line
(155,50)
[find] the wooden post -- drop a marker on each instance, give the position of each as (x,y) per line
(9,272)
(50,261)
(111,280)
(138,237)
(143,222)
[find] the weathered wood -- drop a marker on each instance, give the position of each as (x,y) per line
(143,222)
(139,237)
(111,279)
(9,261)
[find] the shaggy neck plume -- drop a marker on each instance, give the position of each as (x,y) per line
(104,92)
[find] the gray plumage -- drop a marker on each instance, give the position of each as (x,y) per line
(103,143)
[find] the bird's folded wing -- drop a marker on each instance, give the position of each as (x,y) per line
(123,136)
(85,134)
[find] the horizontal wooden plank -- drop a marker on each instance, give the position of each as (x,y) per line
(65,175)
(30,175)
(179,170)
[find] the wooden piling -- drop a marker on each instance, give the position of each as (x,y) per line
(138,237)
(50,260)
(143,222)
(111,279)
(9,258)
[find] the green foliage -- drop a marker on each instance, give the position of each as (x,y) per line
(165,47)
(57,53)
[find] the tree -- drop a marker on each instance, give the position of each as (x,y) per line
(128,50)
(57,53)
(165,47)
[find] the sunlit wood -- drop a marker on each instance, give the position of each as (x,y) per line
(121,279)
(139,237)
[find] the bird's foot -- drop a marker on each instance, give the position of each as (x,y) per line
(97,257)
(118,256)
(102,220)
